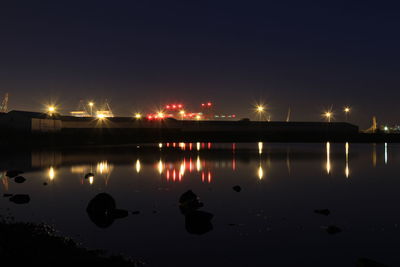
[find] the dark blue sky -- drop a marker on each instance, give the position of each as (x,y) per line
(140,54)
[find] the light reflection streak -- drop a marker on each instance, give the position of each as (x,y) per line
(160,145)
(386,153)
(4,181)
(198,164)
(260,147)
(51,173)
(347,170)
(138,166)
(198,146)
(260,172)
(160,167)
(91,179)
(328,158)
(374,154)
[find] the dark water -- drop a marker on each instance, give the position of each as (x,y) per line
(270,222)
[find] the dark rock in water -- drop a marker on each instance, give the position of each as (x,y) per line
(88,175)
(7,195)
(102,210)
(19,179)
(198,222)
(363,262)
(189,202)
(237,188)
(13,173)
(44,183)
(135,212)
(325,212)
(332,229)
(20,199)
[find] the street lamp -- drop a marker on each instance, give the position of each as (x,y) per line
(328,115)
(91,104)
(51,109)
(260,109)
(346,112)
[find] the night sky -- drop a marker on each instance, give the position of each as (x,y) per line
(140,54)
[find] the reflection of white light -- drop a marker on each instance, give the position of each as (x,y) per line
(260,172)
(138,166)
(160,167)
(91,179)
(260,147)
(198,164)
(386,154)
(160,145)
(52,173)
(102,167)
(347,170)
(182,169)
(328,158)
(198,146)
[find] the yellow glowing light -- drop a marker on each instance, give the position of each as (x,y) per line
(51,109)
(160,114)
(160,167)
(260,172)
(260,147)
(328,158)
(198,117)
(52,173)
(138,116)
(138,166)
(260,108)
(198,164)
(182,112)
(198,146)
(91,179)
(160,145)
(103,167)
(101,116)
(346,109)
(91,104)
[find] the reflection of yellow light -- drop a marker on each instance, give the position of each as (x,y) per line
(91,104)
(328,158)
(260,148)
(198,117)
(198,146)
(260,172)
(160,167)
(160,145)
(91,179)
(182,168)
(138,166)
(374,155)
(386,153)
(52,173)
(102,167)
(347,169)
(79,168)
(198,163)
(182,112)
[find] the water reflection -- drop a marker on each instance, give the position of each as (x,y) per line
(328,158)
(51,173)
(347,170)
(386,153)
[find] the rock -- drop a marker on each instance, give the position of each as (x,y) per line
(44,183)
(135,212)
(198,222)
(325,212)
(13,173)
(332,229)
(364,262)
(19,179)
(102,210)
(20,199)
(189,202)
(88,175)
(7,195)
(237,188)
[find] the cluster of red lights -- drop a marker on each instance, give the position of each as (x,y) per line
(206,105)
(158,116)
(174,106)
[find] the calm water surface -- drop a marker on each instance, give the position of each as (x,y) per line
(270,222)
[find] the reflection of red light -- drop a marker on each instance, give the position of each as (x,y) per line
(167,144)
(174,175)
(180,106)
(173,144)
(209,104)
(190,165)
(209,176)
(180,177)
(233,146)
(209,145)
(202,104)
(202,177)
(173,106)
(234,164)
(202,145)
(168,106)
(190,146)
(167,175)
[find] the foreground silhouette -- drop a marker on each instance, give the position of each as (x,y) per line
(102,210)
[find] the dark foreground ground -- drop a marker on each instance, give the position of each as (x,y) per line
(27,243)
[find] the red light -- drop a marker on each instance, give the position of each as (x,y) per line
(209,104)
(202,104)
(173,106)
(179,106)
(233,116)
(168,106)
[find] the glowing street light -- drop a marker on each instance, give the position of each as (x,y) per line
(51,109)
(91,104)
(182,113)
(138,116)
(328,115)
(346,111)
(260,109)
(101,116)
